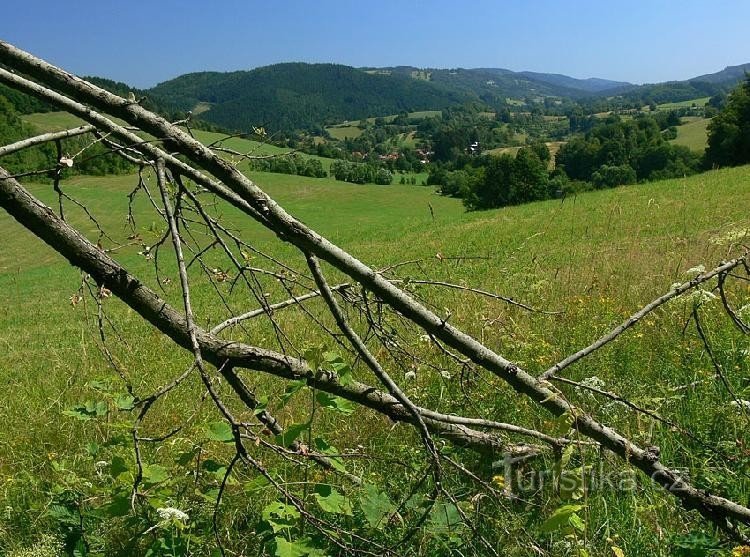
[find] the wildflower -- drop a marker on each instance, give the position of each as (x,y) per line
(698,270)
(410,375)
(425,338)
(592,382)
(445,374)
(170,514)
(731,236)
(499,481)
(700,296)
(741,404)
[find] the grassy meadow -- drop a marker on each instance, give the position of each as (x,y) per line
(595,258)
(693,133)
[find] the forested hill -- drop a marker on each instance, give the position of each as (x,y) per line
(300,96)
(676,91)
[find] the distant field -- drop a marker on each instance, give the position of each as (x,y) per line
(55,121)
(343,132)
(693,134)
(201,107)
(700,101)
(553,146)
(352,128)
(52,121)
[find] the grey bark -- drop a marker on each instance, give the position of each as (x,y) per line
(269,213)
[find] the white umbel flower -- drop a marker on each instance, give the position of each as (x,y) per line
(697,270)
(170,514)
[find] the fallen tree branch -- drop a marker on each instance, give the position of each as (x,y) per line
(223,354)
(640,314)
(247,196)
(44,138)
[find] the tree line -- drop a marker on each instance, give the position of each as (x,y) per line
(612,152)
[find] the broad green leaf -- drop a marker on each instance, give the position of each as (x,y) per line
(337,364)
(258,482)
(124,402)
(118,466)
(280,516)
(185,457)
(102,386)
(214,468)
(285,548)
(560,518)
(262,404)
(335,403)
(219,431)
(119,506)
(331,501)
(577,522)
(154,474)
(375,505)
(292,389)
(331,452)
(290,434)
(314,356)
(444,517)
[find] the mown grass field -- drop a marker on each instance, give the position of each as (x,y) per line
(693,134)
(701,101)
(595,257)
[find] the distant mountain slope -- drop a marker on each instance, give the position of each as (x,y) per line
(730,74)
(590,85)
(497,84)
(301,96)
(676,91)
(307,96)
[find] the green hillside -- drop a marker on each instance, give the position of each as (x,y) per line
(300,96)
(596,257)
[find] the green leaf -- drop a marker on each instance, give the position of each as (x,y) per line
(331,452)
(219,431)
(292,389)
(560,519)
(338,365)
(262,404)
(375,505)
(214,468)
(124,402)
(444,518)
(97,385)
(258,482)
(119,506)
(118,466)
(335,403)
(290,434)
(331,501)
(572,483)
(185,457)
(280,516)
(285,548)
(154,474)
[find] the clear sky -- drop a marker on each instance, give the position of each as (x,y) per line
(144,42)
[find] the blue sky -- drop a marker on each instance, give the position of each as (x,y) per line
(144,42)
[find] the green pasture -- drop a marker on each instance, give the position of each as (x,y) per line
(595,258)
(693,133)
